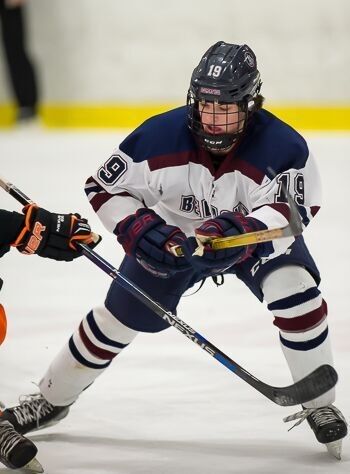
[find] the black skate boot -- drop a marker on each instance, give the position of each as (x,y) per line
(16,451)
(33,413)
(328,424)
(330,427)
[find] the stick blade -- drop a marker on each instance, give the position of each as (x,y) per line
(295,226)
(312,386)
(295,222)
(15,192)
(4,184)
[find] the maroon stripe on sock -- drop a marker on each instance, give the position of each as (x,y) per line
(304,322)
(94,350)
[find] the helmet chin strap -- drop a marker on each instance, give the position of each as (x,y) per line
(219,143)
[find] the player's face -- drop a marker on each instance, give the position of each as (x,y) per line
(219,119)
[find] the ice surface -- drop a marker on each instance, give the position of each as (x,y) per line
(164,406)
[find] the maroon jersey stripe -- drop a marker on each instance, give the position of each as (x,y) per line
(179,159)
(99,199)
(281,207)
(314,210)
(236,164)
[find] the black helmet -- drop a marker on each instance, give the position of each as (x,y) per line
(226,74)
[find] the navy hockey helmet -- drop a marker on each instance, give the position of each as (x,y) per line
(226,74)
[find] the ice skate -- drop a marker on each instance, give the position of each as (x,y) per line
(33,413)
(328,424)
(16,451)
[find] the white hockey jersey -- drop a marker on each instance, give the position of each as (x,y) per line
(161,166)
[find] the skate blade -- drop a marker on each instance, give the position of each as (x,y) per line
(334,448)
(33,466)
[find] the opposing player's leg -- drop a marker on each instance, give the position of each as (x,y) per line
(16,451)
(3,324)
(103,334)
(289,285)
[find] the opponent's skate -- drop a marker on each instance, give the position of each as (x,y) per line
(33,413)
(16,451)
(328,424)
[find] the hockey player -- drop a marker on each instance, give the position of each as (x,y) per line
(50,235)
(216,167)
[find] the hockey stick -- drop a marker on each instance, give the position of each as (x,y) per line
(313,385)
(294,228)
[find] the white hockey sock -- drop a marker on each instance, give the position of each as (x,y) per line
(301,363)
(90,350)
(66,378)
(301,315)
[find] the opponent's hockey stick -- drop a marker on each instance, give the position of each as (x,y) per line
(294,228)
(313,385)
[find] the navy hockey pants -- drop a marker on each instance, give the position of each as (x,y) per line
(168,292)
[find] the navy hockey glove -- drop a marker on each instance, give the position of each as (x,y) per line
(54,235)
(148,238)
(225,225)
